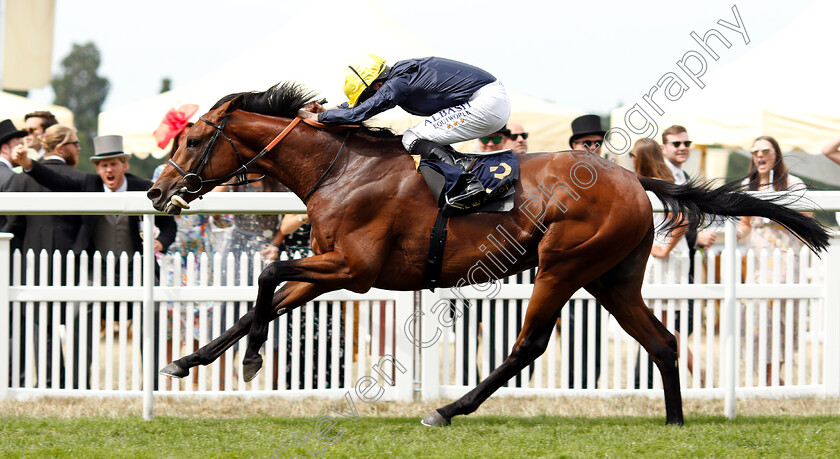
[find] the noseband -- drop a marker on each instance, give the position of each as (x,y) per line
(192,179)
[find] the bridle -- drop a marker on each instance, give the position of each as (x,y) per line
(192,179)
(194,182)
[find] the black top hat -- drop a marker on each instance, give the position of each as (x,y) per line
(586,125)
(8,131)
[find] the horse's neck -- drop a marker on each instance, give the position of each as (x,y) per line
(359,159)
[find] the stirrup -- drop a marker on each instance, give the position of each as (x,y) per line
(467,196)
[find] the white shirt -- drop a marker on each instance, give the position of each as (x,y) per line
(6,162)
(122,188)
(680,176)
(55,157)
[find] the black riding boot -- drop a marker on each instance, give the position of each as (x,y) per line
(467,190)
(432,151)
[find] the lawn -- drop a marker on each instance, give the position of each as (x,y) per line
(469,436)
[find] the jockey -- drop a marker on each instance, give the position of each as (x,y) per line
(461,102)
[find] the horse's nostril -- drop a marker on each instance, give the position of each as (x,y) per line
(154,193)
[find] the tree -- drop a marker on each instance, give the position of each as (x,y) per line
(78,87)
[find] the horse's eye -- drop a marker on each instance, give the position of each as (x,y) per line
(192,143)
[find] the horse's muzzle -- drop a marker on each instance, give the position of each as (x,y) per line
(171,206)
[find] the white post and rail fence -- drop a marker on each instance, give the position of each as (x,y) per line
(107,333)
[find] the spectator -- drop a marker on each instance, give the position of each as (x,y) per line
(50,232)
(676,150)
(10,140)
(768,172)
(107,233)
(518,138)
(36,123)
(832,152)
(649,162)
(494,142)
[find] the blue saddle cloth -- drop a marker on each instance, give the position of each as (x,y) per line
(497,172)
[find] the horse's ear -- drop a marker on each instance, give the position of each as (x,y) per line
(236,103)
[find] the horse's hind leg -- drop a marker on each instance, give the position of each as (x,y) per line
(620,291)
(532,341)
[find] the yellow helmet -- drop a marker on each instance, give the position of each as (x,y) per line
(358,77)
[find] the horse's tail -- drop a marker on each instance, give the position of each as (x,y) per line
(694,201)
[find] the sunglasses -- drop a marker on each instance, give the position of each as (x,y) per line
(497,139)
(31,130)
(590,143)
(524,136)
(677,144)
(76,143)
(763,151)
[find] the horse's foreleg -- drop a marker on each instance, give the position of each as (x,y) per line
(214,349)
(313,276)
(211,351)
(531,343)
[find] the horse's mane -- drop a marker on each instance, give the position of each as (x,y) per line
(284,100)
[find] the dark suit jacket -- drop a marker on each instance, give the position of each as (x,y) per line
(48,232)
(92,183)
(6,176)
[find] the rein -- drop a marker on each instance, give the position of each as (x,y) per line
(324,175)
(194,182)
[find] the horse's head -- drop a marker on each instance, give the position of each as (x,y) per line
(206,158)
(212,155)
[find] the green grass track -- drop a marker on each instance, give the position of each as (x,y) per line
(471,436)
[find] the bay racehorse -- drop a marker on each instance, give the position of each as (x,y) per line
(583,221)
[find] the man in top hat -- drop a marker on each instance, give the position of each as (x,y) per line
(11,138)
(107,233)
(587,134)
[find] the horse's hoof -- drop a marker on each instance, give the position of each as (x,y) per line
(251,370)
(173,370)
(435,419)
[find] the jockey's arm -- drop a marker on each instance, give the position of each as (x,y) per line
(385,98)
